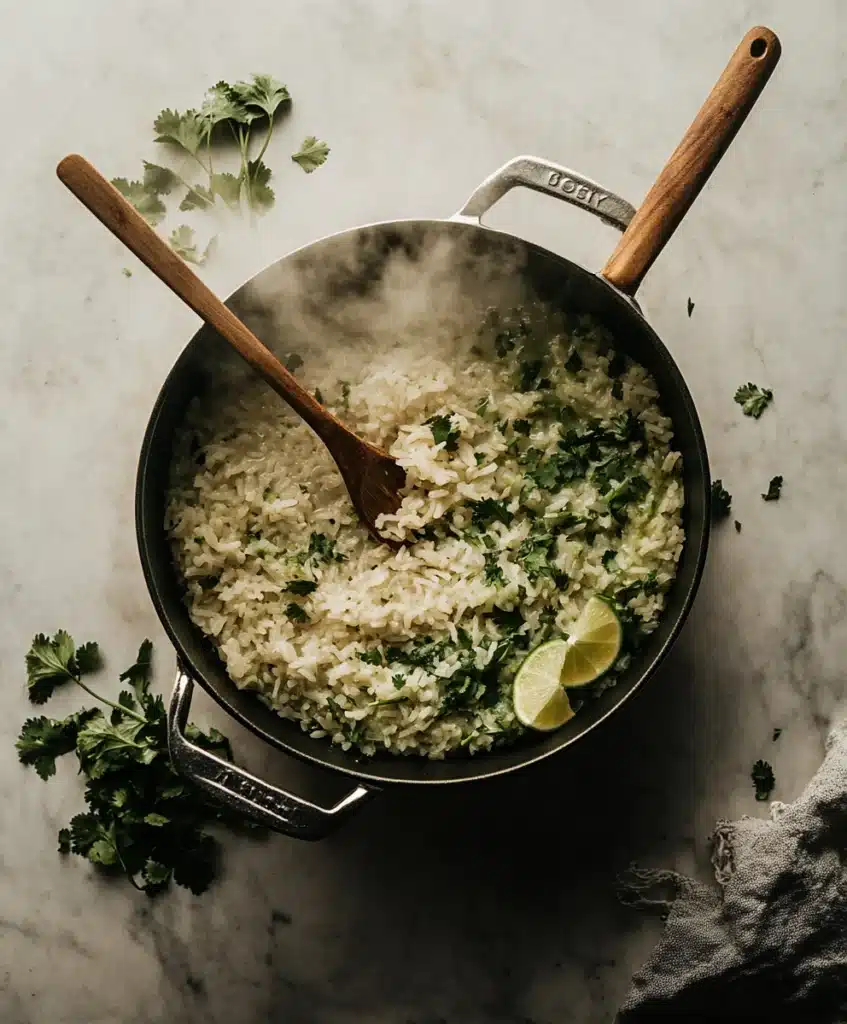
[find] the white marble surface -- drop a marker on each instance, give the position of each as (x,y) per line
(492,905)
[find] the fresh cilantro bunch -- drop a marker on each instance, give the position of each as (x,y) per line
(142,819)
(242,115)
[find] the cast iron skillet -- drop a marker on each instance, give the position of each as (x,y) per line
(345,267)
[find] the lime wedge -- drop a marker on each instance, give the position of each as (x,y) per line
(593,646)
(537,694)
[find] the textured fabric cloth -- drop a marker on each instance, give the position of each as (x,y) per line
(770,942)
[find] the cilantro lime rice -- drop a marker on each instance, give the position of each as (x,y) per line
(539,473)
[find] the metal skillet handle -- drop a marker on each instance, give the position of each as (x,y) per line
(242,792)
(552,179)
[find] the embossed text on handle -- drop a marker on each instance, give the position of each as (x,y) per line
(578,190)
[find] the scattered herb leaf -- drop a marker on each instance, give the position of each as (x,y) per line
(443,432)
(690,307)
(737,526)
(311,154)
(763,780)
(721,501)
(753,399)
(774,489)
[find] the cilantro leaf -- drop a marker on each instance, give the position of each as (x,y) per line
(311,154)
(104,746)
(296,613)
(42,740)
(494,576)
(753,399)
(160,181)
(774,489)
(184,130)
(197,198)
(301,587)
(721,503)
(690,307)
(259,194)
(228,187)
(322,549)
(148,203)
(264,92)
(138,674)
(488,511)
(371,657)
(573,364)
(49,663)
(183,243)
(221,104)
(443,432)
(763,780)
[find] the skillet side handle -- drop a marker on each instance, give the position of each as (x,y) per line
(244,793)
(553,180)
(694,159)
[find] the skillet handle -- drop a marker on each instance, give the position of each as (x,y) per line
(552,179)
(244,793)
(692,162)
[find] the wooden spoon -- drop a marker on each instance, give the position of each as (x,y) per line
(373,478)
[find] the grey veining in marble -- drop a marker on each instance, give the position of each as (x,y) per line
(492,905)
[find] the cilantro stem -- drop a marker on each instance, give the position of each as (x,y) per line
(267,140)
(111,703)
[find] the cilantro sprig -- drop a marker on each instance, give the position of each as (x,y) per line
(241,115)
(141,818)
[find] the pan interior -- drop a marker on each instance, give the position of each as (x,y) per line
(397,277)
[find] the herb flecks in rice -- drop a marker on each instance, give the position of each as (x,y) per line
(538,475)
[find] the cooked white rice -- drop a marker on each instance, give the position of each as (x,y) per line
(387,650)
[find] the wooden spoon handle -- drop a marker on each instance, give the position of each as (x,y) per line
(694,159)
(123,220)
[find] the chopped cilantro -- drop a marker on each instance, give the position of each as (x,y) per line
(399,680)
(493,572)
(371,657)
(522,427)
(479,458)
(763,780)
(488,511)
(633,490)
(535,555)
(482,408)
(721,501)
(529,377)
(753,399)
(608,558)
(443,432)
(319,396)
(293,362)
(322,549)
(776,734)
(296,613)
(774,489)
(573,364)
(737,526)
(301,587)
(648,586)
(690,307)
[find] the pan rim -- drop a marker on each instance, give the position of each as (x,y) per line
(696,547)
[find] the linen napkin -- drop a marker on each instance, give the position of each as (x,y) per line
(770,942)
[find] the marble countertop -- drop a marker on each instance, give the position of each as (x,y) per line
(493,904)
